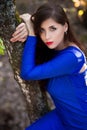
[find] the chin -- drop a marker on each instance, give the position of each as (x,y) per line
(50,47)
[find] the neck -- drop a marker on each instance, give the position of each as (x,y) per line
(62,46)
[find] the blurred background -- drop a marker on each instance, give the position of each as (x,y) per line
(13,115)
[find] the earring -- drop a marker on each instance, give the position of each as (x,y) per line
(65,33)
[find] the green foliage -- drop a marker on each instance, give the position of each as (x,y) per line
(19,20)
(2,47)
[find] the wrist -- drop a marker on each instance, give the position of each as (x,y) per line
(30,30)
(31,33)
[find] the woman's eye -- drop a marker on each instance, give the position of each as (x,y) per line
(53,28)
(41,30)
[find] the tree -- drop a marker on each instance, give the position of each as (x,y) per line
(34,95)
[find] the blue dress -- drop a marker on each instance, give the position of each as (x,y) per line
(67,87)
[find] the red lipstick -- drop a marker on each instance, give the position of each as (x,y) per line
(49,43)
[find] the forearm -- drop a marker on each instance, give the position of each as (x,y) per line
(30,29)
(28,57)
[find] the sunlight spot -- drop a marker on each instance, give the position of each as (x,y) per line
(80,12)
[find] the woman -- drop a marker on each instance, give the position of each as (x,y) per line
(62,65)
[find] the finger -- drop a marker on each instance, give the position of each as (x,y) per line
(19,28)
(20,31)
(22,25)
(13,40)
(17,32)
(21,35)
(22,40)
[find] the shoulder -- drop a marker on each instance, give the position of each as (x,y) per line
(78,56)
(75,52)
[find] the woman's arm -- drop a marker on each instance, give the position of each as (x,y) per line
(61,65)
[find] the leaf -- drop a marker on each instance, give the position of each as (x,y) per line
(2,47)
(2,52)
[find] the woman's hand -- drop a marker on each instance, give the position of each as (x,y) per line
(23,29)
(20,33)
(27,19)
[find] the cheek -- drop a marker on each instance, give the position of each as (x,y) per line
(60,35)
(59,38)
(42,37)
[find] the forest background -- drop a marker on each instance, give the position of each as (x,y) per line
(13,114)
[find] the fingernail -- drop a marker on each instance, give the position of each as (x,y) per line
(11,40)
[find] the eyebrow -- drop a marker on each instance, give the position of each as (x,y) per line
(52,26)
(49,26)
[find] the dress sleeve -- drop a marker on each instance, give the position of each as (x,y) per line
(60,65)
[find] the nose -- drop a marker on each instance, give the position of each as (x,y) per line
(47,35)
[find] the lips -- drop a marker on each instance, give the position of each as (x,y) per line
(49,43)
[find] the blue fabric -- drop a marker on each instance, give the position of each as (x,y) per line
(67,87)
(50,121)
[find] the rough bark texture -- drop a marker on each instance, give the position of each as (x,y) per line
(35,97)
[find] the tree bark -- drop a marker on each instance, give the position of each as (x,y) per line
(35,97)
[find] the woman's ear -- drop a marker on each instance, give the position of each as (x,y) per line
(66,27)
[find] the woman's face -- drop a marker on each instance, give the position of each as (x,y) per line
(52,34)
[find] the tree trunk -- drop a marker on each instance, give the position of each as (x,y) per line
(35,97)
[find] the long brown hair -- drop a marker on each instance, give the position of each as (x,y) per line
(56,12)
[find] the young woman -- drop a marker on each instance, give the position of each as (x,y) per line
(52,53)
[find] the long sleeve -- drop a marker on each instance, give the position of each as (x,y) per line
(60,65)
